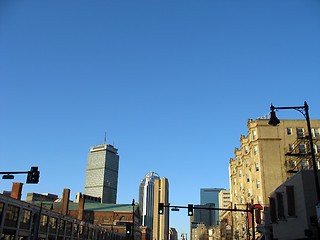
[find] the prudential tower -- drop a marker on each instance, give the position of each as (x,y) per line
(146,197)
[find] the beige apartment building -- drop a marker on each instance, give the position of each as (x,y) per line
(224,201)
(267,157)
(161,221)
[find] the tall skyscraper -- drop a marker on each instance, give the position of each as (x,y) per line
(146,198)
(161,221)
(102,173)
(211,195)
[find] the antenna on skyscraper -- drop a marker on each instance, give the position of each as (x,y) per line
(105,137)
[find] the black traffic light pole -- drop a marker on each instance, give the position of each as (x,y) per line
(33,175)
(251,210)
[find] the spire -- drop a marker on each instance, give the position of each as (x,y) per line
(105,137)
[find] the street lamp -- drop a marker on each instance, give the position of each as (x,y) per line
(304,110)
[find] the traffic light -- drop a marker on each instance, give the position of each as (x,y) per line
(160,208)
(33,175)
(257,212)
(128,229)
(257,215)
(190,209)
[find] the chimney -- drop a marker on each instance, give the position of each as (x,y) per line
(65,201)
(16,190)
(81,207)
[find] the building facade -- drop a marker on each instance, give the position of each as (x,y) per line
(211,195)
(102,173)
(173,234)
(293,208)
(146,198)
(267,157)
(161,221)
(224,201)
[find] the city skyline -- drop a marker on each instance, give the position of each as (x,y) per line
(173,84)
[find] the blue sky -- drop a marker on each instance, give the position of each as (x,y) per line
(172,82)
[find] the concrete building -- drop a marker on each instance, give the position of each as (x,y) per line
(293,208)
(102,173)
(224,201)
(48,197)
(267,157)
(173,234)
(200,232)
(146,198)
(161,221)
(211,195)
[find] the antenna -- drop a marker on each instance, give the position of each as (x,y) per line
(105,137)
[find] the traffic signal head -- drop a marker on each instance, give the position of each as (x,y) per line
(128,229)
(190,209)
(160,208)
(33,175)
(257,215)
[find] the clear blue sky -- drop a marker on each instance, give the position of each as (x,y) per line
(173,82)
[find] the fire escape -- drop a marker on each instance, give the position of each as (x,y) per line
(299,155)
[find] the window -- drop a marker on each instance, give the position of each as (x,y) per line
(240,173)
(259,199)
(234,181)
(1,211)
(247,163)
(292,164)
(300,132)
(304,165)
(249,192)
(239,161)
(61,227)
(317,148)
(290,201)
(254,135)
(258,183)
(240,186)
(52,225)
(273,210)
(25,219)
(289,131)
(315,132)
(280,206)
(248,178)
(44,223)
(302,148)
(75,230)
(255,150)
(235,193)
(11,218)
(246,149)
(290,147)
(68,228)
(241,199)
(257,167)
(234,170)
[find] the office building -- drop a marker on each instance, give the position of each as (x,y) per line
(102,173)
(161,221)
(146,198)
(267,157)
(211,195)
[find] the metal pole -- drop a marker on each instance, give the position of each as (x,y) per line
(252,219)
(132,220)
(315,169)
